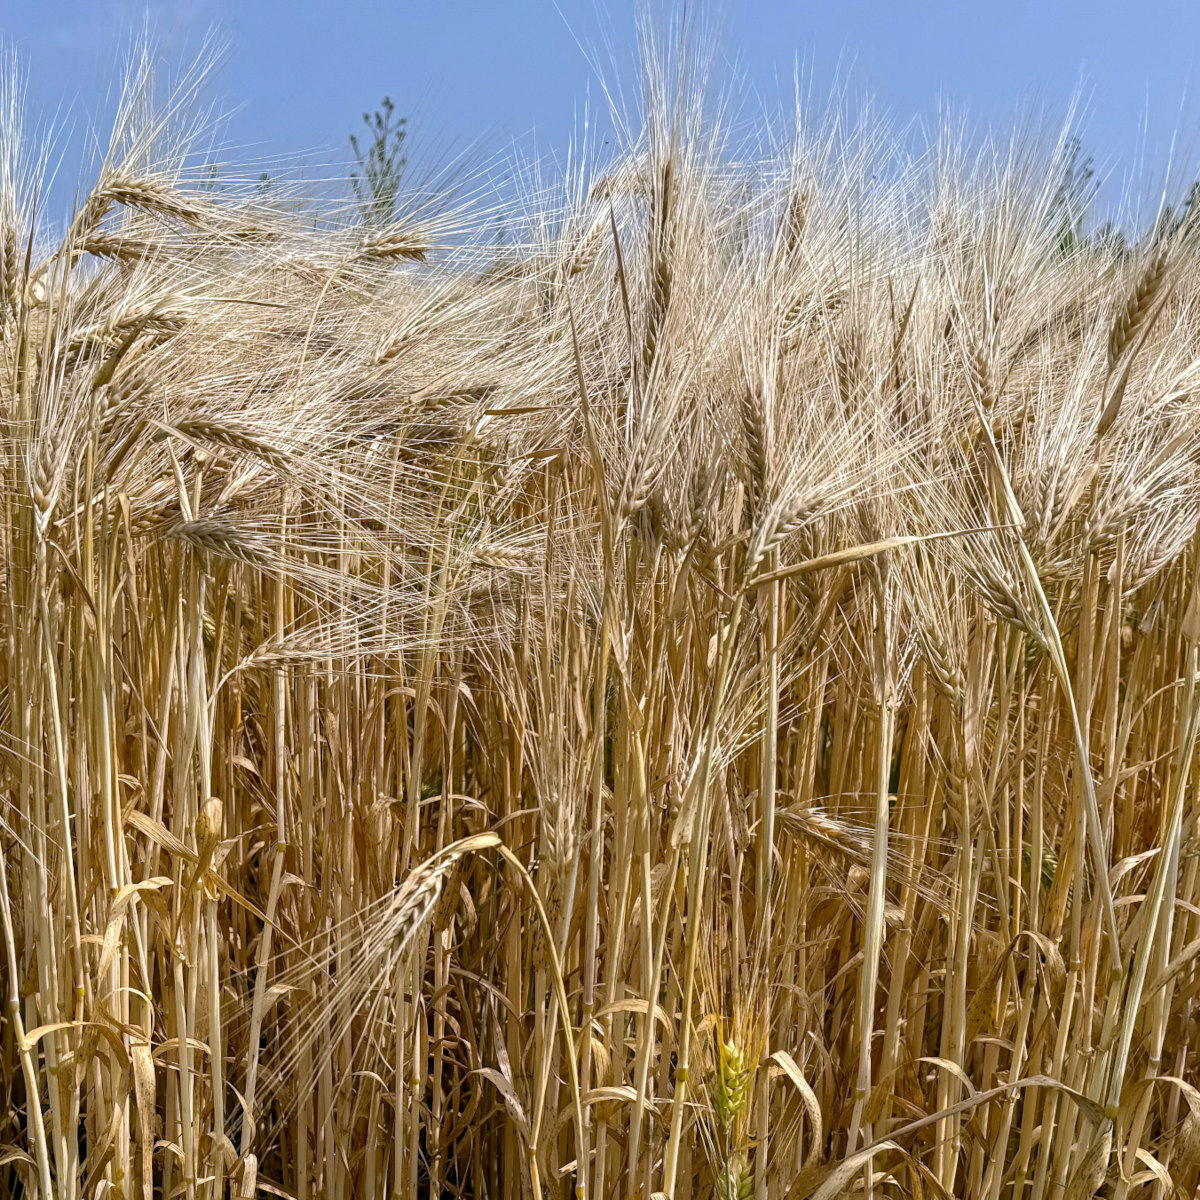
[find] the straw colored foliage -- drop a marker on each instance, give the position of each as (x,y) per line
(700,701)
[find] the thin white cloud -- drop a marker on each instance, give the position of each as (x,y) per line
(98,29)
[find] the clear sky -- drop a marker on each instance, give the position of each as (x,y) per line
(485,74)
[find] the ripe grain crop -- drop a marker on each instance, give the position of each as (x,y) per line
(701,701)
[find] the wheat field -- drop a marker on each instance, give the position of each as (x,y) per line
(700,700)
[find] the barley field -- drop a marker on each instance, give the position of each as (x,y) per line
(699,700)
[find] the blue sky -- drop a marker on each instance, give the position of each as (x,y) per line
(483,76)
